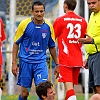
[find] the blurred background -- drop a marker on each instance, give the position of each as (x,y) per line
(12,12)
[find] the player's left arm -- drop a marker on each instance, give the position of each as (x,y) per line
(54,56)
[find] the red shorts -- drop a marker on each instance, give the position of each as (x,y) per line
(69,74)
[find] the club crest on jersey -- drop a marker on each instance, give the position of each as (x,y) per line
(44,35)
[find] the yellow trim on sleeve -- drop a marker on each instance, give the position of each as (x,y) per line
(51,29)
(21,28)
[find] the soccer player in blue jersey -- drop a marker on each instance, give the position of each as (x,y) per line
(33,36)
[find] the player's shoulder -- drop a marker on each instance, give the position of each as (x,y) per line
(81,17)
(47,22)
(61,18)
(25,20)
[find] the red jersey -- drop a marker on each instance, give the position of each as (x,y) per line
(68,29)
(2,37)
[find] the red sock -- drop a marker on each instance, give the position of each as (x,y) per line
(69,93)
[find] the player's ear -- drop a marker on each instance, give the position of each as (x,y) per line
(43,96)
(31,11)
(66,6)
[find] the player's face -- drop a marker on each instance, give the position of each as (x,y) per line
(38,12)
(94,5)
(50,94)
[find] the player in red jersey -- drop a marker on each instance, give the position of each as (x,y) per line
(68,29)
(2,38)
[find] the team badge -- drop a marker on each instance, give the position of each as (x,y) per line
(44,35)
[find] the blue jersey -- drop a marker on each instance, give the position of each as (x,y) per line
(34,40)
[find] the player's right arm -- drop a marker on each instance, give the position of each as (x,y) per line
(14,57)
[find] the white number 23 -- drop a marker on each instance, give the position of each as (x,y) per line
(77,28)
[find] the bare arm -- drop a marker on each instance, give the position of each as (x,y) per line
(53,54)
(14,57)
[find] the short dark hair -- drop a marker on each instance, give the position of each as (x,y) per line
(41,88)
(71,4)
(39,3)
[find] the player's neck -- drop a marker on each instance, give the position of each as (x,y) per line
(69,11)
(39,22)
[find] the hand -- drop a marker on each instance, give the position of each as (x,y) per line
(56,71)
(86,64)
(15,69)
(86,40)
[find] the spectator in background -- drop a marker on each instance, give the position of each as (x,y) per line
(45,91)
(2,38)
(68,28)
(92,45)
(34,35)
